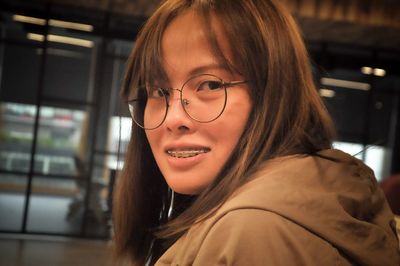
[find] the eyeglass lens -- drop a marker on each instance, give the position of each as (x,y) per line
(203,98)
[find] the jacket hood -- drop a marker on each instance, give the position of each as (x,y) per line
(332,195)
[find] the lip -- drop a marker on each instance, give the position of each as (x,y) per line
(185,146)
(187,162)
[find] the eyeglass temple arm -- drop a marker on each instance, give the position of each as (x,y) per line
(235,83)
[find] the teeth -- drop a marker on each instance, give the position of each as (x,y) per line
(186,153)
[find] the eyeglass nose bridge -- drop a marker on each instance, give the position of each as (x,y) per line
(184,102)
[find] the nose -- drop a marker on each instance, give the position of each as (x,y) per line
(177,119)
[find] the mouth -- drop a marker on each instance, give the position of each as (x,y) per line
(187,152)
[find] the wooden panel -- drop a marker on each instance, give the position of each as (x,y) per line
(373,23)
(370,12)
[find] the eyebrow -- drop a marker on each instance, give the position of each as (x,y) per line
(205,68)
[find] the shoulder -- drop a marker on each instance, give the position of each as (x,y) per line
(290,181)
(255,226)
(250,236)
(258,237)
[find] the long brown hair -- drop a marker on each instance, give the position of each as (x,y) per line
(287,117)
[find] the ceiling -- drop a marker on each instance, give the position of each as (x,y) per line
(371,23)
(367,23)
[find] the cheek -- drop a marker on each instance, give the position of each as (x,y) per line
(154,139)
(226,134)
(227,139)
(234,120)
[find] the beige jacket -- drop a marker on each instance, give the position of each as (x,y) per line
(298,210)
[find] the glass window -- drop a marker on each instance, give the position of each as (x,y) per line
(62,140)
(12,201)
(376,157)
(69,65)
(56,205)
(379,159)
(118,137)
(99,208)
(17,122)
(20,74)
(346,97)
(111,104)
(68,74)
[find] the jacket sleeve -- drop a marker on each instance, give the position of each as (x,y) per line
(258,237)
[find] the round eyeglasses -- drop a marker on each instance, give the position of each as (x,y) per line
(203,97)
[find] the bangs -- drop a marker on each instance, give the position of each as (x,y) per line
(152,70)
(210,18)
(146,62)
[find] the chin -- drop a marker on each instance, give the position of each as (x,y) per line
(186,190)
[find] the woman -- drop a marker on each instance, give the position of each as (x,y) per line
(230,160)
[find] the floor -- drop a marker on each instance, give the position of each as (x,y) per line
(53,251)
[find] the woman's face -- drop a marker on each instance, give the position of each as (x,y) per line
(186,53)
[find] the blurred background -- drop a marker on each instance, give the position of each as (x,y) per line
(61,67)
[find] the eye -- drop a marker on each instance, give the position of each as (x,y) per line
(210,85)
(156,92)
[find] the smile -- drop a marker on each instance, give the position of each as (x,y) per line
(186,153)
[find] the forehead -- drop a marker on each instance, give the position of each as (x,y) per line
(193,42)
